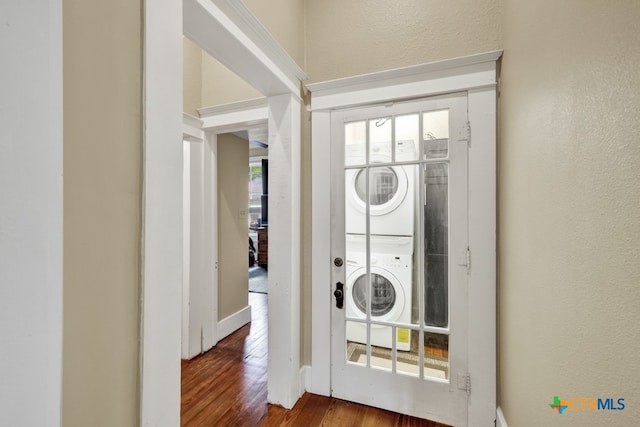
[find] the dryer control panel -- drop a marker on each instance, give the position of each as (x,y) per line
(390,261)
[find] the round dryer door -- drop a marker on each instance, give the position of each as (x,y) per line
(388,188)
(387,295)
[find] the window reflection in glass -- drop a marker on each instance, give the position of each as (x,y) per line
(383,295)
(436,244)
(384,185)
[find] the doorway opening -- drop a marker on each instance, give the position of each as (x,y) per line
(258,218)
(232,35)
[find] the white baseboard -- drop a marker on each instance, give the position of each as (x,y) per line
(232,323)
(500,421)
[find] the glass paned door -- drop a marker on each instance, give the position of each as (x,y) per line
(399,188)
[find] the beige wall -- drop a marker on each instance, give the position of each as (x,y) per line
(191,77)
(569,210)
(362,36)
(233,195)
(221,86)
(285,20)
(207,82)
(102,211)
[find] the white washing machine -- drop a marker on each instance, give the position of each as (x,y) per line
(392,191)
(391,281)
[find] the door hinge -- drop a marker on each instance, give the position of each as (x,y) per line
(464,259)
(464,133)
(468,259)
(464,382)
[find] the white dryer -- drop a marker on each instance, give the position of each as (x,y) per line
(392,191)
(391,282)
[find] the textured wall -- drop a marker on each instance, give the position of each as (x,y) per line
(362,36)
(285,20)
(233,195)
(569,209)
(102,211)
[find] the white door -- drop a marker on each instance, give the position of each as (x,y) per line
(399,249)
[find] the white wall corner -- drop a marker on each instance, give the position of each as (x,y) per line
(500,421)
(305,379)
(232,323)
(284,250)
(320,247)
(161,275)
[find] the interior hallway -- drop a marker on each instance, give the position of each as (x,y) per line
(227,386)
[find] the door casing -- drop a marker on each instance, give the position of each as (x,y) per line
(477,75)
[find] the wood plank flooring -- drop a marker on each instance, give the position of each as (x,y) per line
(227,386)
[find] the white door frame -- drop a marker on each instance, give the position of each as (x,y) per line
(31,212)
(199,283)
(475,74)
(230,33)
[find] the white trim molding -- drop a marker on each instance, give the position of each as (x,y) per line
(233,107)
(500,419)
(476,75)
(284,250)
(31,213)
(434,78)
(235,116)
(192,128)
(228,31)
(232,323)
(200,231)
(161,270)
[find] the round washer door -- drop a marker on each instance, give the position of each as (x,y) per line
(387,301)
(388,185)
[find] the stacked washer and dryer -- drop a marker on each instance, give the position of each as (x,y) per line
(391,231)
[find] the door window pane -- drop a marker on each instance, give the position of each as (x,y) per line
(384,185)
(383,295)
(380,140)
(356,342)
(407,132)
(355,137)
(408,362)
(381,356)
(435,134)
(436,244)
(436,356)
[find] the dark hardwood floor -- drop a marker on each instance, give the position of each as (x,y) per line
(227,386)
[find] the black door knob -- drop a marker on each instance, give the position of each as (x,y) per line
(339,294)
